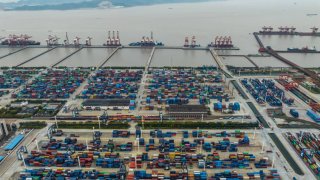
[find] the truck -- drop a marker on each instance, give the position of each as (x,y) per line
(294,113)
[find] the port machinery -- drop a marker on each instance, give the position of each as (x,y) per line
(147,42)
(314,29)
(222,42)
(285,30)
(18,40)
(193,43)
(114,41)
(52,40)
(267,29)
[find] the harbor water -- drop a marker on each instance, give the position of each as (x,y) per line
(171,23)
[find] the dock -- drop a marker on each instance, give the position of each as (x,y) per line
(13,52)
(35,57)
(273,53)
(55,64)
(289,33)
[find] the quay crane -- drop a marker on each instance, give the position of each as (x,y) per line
(314,29)
(52,40)
(66,41)
(88,41)
(292,29)
(287,29)
(147,42)
(76,41)
(193,43)
(22,40)
(267,29)
(186,42)
(222,42)
(114,41)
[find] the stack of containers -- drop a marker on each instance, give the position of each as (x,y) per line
(132,105)
(313,115)
(50,158)
(239,134)
(65,174)
(124,147)
(11,79)
(120,134)
(179,85)
(305,153)
(54,84)
(262,163)
(151,145)
(266,91)
(113,84)
(245,141)
(108,162)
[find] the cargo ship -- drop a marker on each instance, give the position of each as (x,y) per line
(22,40)
(147,42)
(304,49)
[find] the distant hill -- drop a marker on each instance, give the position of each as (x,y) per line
(32,5)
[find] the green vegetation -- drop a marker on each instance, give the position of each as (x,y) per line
(89,125)
(37,109)
(33,125)
(312,89)
(39,101)
(12,112)
(201,125)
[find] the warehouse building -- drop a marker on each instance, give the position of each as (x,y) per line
(106,104)
(187,111)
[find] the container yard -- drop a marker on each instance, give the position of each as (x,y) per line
(265,91)
(12,79)
(180,85)
(306,145)
(113,84)
(53,84)
(136,85)
(154,153)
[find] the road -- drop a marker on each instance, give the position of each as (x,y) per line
(279,132)
(12,164)
(264,131)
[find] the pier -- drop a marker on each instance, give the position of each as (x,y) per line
(35,57)
(55,64)
(273,53)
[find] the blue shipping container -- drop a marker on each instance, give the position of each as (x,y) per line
(14,142)
(313,115)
